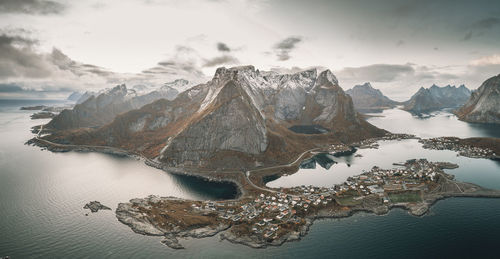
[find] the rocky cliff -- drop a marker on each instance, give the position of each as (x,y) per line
(368,99)
(484,103)
(436,98)
(239,119)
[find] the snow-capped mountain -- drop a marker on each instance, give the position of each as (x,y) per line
(240,118)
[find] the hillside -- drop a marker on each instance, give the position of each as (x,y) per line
(239,119)
(484,103)
(435,98)
(368,99)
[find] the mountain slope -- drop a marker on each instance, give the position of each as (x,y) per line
(239,119)
(367,98)
(436,98)
(101,109)
(484,103)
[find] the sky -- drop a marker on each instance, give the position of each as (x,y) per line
(49,48)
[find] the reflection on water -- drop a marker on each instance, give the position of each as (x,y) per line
(484,172)
(441,123)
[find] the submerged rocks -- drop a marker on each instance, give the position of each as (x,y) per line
(95,206)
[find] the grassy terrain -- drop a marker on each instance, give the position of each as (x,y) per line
(405,197)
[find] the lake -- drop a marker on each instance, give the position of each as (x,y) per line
(42,195)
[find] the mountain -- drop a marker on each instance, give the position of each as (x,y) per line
(484,104)
(241,118)
(74,96)
(436,98)
(85,96)
(368,99)
(99,109)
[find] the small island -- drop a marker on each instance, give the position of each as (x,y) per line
(95,206)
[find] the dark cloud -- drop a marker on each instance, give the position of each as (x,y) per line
(284,47)
(40,7)
(400,43)
(223,47)
(10,88)
(481,27)
(377,72)
(18,58)
(467,36)
(220,60)
(486,23)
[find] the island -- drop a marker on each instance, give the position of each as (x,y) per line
(269,217)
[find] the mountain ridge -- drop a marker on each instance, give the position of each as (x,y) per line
(483,105)
(239,119)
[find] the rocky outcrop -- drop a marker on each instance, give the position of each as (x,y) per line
(436,98)
(484,103)
(95,206)
(230,122)
(368,99)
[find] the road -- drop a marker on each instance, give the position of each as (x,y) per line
(247,173)
(156,164)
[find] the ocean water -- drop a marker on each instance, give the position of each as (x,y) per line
(42,195)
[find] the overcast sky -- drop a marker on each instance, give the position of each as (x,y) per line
(51,47)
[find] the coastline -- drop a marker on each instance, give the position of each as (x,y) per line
(128,215)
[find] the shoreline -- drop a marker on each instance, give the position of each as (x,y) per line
(134,217)
(171,239)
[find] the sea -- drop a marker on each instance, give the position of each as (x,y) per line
(42,195)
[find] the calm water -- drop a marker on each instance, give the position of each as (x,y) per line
(42,195)
(437,125)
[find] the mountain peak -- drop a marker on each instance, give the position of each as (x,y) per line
(327,77)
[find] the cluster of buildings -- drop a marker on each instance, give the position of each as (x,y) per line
(269,212)
(454,144)
(372,142)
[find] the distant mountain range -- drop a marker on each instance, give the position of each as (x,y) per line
(484,103)
(436,98)
(96,109)
(242,118)
(368,99)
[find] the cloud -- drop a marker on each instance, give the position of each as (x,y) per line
(479,27)
(487,60)
(283,48)
(400,43)
(19,59)
(220,60)
(223,47)
(486,23)
(39,7)
(10,88)
(467,36)
(377,72)
(184,63)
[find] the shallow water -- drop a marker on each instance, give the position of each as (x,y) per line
(42,195)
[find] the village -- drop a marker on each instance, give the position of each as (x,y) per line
(455,144)
(271,215)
